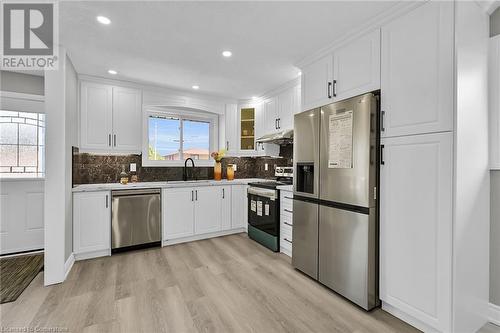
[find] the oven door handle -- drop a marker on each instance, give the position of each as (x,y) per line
(262,192)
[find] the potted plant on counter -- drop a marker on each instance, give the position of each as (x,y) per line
(217,156)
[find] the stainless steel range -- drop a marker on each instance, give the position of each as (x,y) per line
(264,208)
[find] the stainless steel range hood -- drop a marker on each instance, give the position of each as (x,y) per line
(280,138)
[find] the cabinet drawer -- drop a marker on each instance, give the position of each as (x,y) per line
(286,242)
(286,218)
(286,231)
(286,246)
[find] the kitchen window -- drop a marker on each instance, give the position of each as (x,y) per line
(22,144)
(171,137)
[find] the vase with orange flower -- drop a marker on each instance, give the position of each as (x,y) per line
(217,156)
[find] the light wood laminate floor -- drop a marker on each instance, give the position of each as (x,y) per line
(226,284)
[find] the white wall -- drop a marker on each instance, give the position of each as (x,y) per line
(71,100)
(57,187)
(472,177)
(21,83)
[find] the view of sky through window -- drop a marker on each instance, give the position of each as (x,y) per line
(165,139)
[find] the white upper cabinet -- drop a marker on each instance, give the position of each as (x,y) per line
(356,67)
(178,212)
(91,222)
(110,118)
(416,226)
(285,112)
(127,119)
(96,116)
(270,109)
(350,70)
(417,71)
(231,118)
(317,83)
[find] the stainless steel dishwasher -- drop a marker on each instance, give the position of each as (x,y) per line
(136,219)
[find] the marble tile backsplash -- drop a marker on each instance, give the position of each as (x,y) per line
(95,169)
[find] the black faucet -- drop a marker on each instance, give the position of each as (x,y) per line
(184,172)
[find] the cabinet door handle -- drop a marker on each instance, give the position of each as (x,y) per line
(109,140)
(276,123)
(114,140)
(196,194)
(288,210)
(334,88)
(227,145)
(382,116)
(223,194)
(329,89)
(382,162)
(107,201)
(291,225)
(279,125)
(192,195)
(289,241)
(288,197)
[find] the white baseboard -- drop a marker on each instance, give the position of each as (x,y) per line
(494,314)
(286,251)
(68,265)
(200,237)
(408,319)
(93,254)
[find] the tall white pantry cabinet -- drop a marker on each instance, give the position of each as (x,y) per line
(434,185)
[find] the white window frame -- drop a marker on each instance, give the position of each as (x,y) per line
(182,114)
(21,102)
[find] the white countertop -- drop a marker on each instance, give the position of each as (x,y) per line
(167,184)
(287,188)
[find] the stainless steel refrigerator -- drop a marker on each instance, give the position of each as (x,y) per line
(335,220)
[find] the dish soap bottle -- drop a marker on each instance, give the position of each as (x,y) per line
(123,176)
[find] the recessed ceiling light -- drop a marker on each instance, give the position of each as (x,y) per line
(112,72)
(227,54)
(103,20)
(196,87)
(255,98)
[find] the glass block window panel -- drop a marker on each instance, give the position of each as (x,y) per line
(164,139)
(22,141)
(196,139)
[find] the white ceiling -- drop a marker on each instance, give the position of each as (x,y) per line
(179,44)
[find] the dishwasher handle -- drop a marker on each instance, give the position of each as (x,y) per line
(123,193)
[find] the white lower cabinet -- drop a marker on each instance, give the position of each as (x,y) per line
(286,222)
(91,224)
(207,209)
(177,212)
(416,227)
(239,213)
(226,194)
(189,213)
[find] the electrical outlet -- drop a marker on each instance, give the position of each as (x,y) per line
(133,167)
(266,167)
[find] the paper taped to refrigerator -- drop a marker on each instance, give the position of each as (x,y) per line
(259,208)
(340,141)
(253,206)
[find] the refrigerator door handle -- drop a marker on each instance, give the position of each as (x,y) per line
(382,162)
